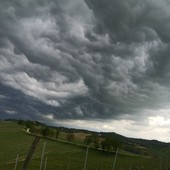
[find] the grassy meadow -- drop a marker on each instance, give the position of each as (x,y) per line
(66,156)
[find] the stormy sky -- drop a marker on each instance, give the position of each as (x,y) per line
(95,64)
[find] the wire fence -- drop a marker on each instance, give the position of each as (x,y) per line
(59,155)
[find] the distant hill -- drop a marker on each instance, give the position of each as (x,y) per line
(121,138)
(137,141)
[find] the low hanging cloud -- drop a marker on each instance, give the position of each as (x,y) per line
(84,60)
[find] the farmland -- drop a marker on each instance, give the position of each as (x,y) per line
(70,156)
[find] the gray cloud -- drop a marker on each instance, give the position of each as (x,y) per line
(84,59)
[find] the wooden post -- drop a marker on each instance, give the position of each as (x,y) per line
(16,163)
(42,156)
(85,162)
(45,165)
(30,152)
(114,162)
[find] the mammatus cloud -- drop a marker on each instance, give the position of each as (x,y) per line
(86,61)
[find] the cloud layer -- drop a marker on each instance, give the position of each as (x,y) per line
(84,60)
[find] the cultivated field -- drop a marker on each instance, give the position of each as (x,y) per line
(65,156)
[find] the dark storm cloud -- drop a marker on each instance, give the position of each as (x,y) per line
(133,20)
(83,59)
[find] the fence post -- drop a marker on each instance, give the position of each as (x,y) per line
(42,156)
(45,165)
(16,163)
(85,162)
(31,151)
(114,162)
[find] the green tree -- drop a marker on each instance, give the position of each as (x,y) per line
(57,133)
(20,122)
(115,144)
(109,144)
(52,132)
(29,124)
(96,141)
(103,145)
(32,129)
(45,131)
(70,137)
(88,140)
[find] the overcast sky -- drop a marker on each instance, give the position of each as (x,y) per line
(94,64)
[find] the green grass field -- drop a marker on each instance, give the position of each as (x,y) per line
(64,156)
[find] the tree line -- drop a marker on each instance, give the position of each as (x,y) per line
(107,143)
(94,140)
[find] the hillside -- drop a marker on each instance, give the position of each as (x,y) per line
(137,141)
(70,155)
(121,138)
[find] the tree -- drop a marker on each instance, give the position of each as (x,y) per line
(70,137)
(115,144)
(57,134)
(29,124)
(20,122)
(32,129)
(96,141)
(45,131)
(109,144)
(52,132)
(103,145)
(88,140)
